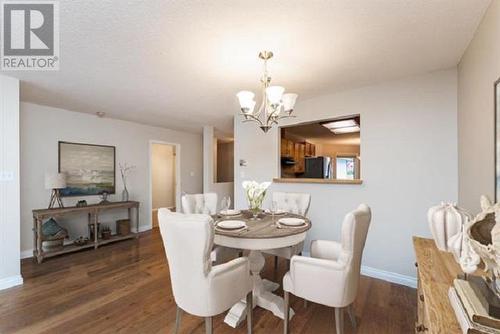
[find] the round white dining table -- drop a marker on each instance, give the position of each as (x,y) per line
(263,234)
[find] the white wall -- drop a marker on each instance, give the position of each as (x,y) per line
(41,129)
(477,72)
(10,269)
(409,162)
(222,189)
(163,170)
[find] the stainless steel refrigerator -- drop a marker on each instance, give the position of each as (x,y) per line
(318,168)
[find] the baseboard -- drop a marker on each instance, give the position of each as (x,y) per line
(9,282)
(385,275)
(389,276)
(26,253)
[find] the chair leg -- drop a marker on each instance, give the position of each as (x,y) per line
(209,326)
(339,320)
(276,263)
(249,312)
(178,316)
(288,264)
(350,311)
(286,312)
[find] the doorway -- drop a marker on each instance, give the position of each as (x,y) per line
(163,177)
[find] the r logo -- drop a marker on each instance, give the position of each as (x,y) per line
(28,29)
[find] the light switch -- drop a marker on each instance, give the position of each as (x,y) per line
(6,176)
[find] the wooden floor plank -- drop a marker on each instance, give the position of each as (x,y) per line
(125,288)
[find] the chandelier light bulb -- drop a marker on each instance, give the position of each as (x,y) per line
(289,102)
(274,94)
(247,103)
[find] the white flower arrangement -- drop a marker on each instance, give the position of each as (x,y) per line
(256,192)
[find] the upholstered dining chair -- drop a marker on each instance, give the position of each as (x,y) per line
(331,275)
(199,203)
(297,203)
(207,203)
(198,287)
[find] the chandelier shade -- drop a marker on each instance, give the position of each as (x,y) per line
(274,101)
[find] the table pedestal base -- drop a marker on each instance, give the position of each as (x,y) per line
(262,294)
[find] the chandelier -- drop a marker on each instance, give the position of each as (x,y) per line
(274,106)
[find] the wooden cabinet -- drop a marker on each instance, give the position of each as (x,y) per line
(299,158)
(297,151)
(310,150)
(287,148)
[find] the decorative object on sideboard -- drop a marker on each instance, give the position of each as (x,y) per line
(482,236)
(125,169)
(123,226)
(104,198)
(90,169)
(274,106)
(81,241)
(92,228)
(81,204)
(255,192)
(446,221)
(53,236)
(55,182)
(106,232)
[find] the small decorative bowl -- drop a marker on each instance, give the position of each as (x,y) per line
(81,241)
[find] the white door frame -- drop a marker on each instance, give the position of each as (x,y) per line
(177,176)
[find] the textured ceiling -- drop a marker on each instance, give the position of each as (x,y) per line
(178,64)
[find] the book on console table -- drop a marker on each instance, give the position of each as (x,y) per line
(473,305)
(468,326)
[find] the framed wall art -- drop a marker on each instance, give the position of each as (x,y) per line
(89,169)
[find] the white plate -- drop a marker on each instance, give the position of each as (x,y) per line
(231,224)
(230,212)
(277,212)
(291,221)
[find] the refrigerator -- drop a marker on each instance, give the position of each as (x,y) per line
(318,168)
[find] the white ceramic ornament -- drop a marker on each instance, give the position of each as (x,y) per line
(445,221)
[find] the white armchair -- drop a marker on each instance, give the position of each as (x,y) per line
(199,203)
(331,275)
(297,203)
(198,287)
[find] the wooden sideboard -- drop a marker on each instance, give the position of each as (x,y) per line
(92,212)
(436,272)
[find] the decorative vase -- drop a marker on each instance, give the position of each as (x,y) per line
(445,221)
(255,195)
(125,195)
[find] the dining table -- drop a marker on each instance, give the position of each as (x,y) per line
(264,233)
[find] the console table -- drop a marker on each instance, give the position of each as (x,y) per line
(93,216)
(436,271)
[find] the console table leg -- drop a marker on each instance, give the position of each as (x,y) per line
(137,221)
(95,230)
(39,255)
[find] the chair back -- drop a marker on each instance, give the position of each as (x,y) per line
(188,241)
(354,233)
(297,203)
(199,203)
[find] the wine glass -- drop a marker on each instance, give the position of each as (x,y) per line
(274,208)
(225,203)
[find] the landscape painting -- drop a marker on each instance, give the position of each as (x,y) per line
(89,169)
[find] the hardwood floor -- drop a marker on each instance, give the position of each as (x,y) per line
(125,288)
